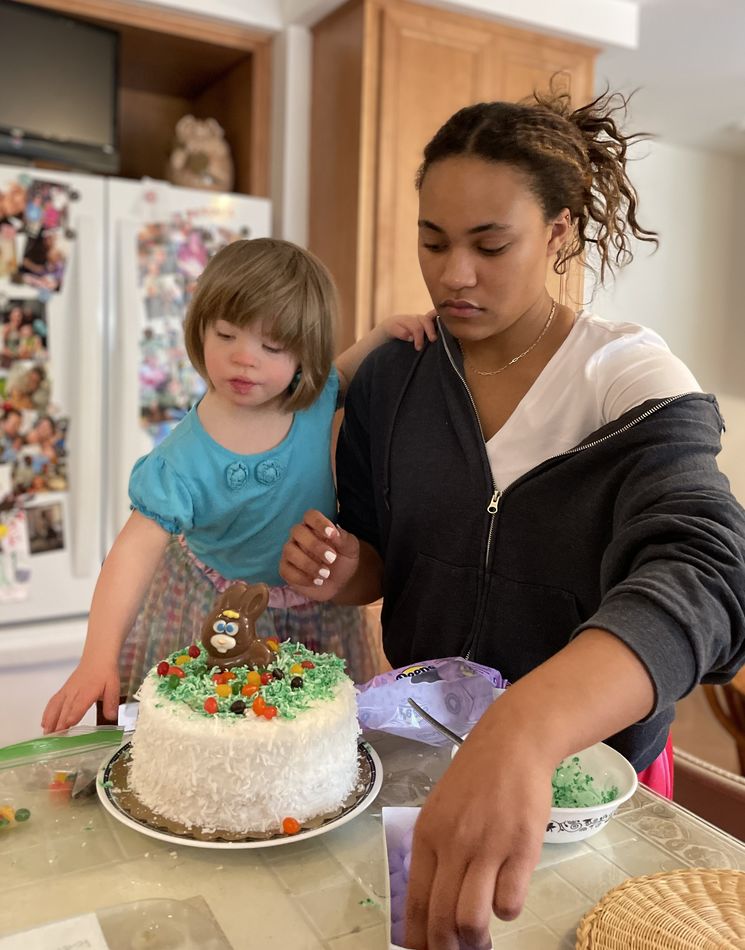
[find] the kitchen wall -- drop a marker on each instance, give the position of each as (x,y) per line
(692,289)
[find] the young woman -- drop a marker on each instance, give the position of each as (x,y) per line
(537,490)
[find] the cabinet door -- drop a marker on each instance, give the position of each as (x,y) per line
(530,63)
(431,65)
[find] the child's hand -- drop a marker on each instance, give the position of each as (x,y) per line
(85,685)
(412,328)
(319,558)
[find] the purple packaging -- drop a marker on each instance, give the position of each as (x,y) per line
(455,691)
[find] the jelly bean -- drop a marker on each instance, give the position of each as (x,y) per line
(184,658)
(210,705)
(162,668)
(265,678)
(278,674)
(222,689)
(290,826)
(7,812)
(253,678)
(23,814)
(4,822)
(176,671)
(249,690)
(296,682)
(258,705)
(193,651)
(228,676)
(173,682)
(235,687)
(296,669)
(238,707)
(272,644)
(308,665)
(269,712)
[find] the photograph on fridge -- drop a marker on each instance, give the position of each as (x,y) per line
(47,207)
(23,331)
(13,202)
(44,262)
(170,257)
(8,249)
(45,528)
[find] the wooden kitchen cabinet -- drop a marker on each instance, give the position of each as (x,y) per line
(386,75)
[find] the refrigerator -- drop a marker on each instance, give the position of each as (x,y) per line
(95,277)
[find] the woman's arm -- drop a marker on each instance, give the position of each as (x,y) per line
(475,852)
(125,576)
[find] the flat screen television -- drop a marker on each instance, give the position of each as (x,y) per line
(58,85)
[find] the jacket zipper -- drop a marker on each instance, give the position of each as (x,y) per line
(497,495)
(491,508)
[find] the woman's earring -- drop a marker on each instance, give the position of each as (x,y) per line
(295,381)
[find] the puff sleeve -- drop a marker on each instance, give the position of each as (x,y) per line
(156,491)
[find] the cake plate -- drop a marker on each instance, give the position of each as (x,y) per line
(112,785)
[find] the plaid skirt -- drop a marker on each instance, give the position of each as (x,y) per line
(181,594)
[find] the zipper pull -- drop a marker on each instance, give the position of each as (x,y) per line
(494,502)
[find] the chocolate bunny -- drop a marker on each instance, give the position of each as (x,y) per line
(229,632)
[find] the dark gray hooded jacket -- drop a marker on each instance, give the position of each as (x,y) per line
(633,531)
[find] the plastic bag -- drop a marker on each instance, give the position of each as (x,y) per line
(455,691)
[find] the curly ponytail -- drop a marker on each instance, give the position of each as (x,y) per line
(573,159)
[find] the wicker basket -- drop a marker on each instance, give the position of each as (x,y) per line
(688,909)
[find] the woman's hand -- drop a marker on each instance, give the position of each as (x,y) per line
(478,838)
(319,558)
(412,327)
(86,684)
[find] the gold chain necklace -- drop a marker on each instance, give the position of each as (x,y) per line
(515,359)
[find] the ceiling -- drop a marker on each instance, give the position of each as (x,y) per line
(690,72)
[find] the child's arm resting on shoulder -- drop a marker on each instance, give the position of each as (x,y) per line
(125,576)
(412,328)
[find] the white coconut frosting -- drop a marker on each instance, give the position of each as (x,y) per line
(243,773)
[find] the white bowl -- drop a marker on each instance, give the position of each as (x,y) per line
(607,768)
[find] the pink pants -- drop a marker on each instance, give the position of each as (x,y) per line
(659,775)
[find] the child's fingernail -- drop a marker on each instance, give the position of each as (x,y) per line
(330,556)
(324,572)
(329,532)
(318,581)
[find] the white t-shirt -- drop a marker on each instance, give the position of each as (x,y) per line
(600,371)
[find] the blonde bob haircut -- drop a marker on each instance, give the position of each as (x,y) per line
(284,287)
